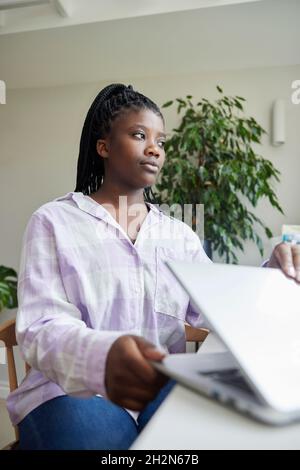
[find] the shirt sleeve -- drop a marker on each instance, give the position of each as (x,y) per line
(50,331)
(195,252)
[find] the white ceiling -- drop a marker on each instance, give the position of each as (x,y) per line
(45,14)
(255,34)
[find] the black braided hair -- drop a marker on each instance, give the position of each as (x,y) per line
(108,104)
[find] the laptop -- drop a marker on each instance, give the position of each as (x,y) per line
(255,312)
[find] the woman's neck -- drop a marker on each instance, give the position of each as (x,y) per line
(120,207)
(110,194)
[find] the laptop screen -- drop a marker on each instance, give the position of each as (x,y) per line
(256,313)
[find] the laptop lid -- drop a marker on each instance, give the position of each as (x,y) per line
(256,313)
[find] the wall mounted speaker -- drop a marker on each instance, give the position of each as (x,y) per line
(278,122)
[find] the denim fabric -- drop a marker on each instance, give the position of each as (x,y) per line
(94,423)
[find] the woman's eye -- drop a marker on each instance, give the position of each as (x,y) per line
(139,134)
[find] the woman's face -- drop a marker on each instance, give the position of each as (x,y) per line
(133,151)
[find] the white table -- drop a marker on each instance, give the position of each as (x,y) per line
(187,420)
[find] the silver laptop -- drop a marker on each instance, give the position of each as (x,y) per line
(256,314)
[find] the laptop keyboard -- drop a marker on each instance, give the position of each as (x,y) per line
(231,377)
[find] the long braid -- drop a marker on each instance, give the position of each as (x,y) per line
(108,104)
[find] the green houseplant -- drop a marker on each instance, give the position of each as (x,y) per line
(8,288)
(211,161)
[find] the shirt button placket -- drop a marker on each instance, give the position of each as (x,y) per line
(137,288)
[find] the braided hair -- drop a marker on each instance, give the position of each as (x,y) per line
(108,104)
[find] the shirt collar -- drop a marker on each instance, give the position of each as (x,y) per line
(92,207)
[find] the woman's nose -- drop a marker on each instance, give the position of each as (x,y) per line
(152,150)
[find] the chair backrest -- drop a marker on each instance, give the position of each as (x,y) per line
(8,336)
(195,335)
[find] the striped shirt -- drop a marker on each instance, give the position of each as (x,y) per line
(83,283)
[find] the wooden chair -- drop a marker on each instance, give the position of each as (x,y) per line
(195,335)
(8,336)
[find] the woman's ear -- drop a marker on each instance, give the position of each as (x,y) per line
(102,148)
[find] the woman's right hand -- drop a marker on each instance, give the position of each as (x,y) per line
(131,381)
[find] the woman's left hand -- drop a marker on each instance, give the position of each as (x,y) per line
(286,257)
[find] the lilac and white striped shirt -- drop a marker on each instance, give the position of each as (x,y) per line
(83,283)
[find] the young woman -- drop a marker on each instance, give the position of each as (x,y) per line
(96,302)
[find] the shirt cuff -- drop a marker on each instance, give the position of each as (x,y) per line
(96,364)
(265,263)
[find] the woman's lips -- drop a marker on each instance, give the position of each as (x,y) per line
(149,167)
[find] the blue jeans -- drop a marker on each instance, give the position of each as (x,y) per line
(71,423)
